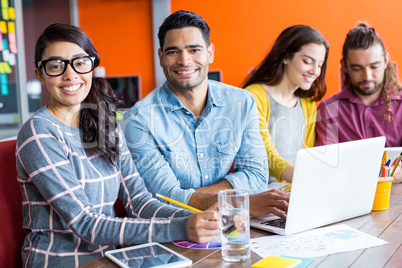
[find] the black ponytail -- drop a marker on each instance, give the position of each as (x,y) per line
(98,120)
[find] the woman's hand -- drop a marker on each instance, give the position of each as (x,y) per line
(398,172)
(203,226)
(214,207)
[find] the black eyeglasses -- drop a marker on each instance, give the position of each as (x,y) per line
(56,67)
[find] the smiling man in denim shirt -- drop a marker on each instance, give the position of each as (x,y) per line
(185,135)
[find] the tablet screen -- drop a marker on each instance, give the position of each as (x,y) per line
(147,255)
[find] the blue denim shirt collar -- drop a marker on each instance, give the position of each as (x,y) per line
(173,103)
(214,98)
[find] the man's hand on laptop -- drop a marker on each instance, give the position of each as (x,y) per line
(272,201)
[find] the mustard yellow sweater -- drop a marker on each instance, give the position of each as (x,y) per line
(276,163)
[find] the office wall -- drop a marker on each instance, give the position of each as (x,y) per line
(122,33)
(38,14)
(242,31)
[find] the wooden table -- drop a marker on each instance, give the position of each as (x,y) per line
(386,225)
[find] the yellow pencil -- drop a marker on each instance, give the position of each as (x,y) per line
(384,158)
(396,164)
(177,203)
(286,187)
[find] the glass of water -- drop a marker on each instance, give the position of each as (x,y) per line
(234,214)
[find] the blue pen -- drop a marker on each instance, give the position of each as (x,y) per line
(388,163)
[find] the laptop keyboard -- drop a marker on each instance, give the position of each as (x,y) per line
(279,223)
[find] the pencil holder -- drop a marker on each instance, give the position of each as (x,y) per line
(382,193)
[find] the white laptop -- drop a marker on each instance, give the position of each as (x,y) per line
(330,183)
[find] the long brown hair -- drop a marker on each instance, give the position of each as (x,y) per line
(98,117)
(270,71)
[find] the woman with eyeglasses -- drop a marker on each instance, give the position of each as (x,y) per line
(73,163)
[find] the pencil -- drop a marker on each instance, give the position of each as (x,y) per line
(287,187)
(384,158)
(177,203)
(396,164)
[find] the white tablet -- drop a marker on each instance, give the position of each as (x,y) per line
(147,255)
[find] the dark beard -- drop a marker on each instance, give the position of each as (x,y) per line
(366,92)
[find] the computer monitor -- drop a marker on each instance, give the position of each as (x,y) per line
(127,88)
(215,75)
(9,113)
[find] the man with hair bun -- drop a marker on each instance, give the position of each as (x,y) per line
(369,104)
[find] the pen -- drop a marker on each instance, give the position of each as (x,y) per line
(384,171)
(177,203)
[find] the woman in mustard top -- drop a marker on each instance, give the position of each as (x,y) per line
(285,85)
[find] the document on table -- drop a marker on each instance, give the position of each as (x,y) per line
(314,243)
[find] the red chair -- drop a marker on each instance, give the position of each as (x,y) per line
(11,232)
(12,235)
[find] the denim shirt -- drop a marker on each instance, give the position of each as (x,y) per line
(175,153)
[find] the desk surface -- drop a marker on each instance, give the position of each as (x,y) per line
(386,225)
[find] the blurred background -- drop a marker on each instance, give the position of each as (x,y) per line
(124,33)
